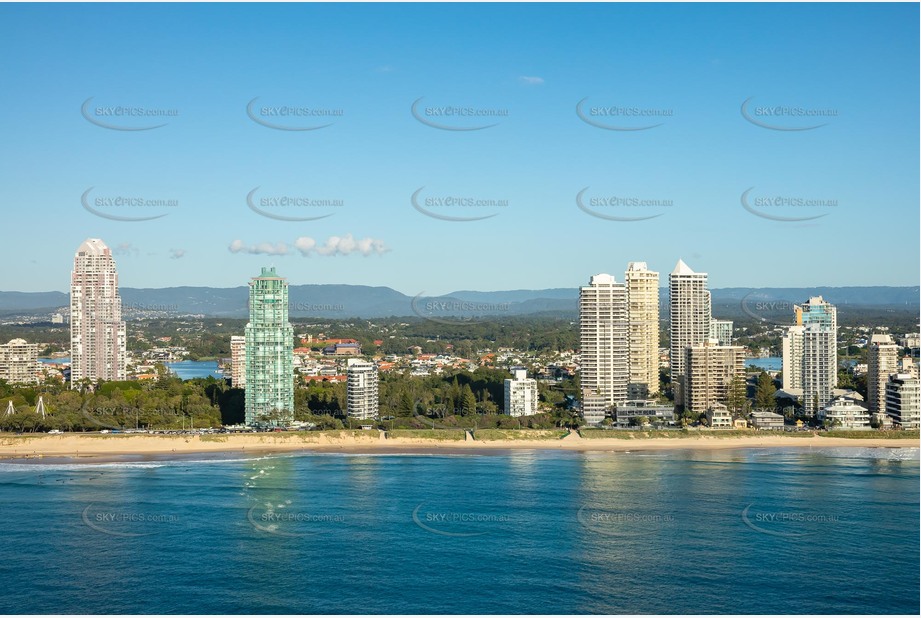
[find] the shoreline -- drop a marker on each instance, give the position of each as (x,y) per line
(93,447)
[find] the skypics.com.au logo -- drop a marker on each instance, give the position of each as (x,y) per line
(786,207)
(454,523)
(280,520)
(452,311)
(623,523)
(292,207)
(787,524)
(296,117)
(452,117)
(126,117)
(457,207)
(127,207)
(622,207)
(619,117)
(785,117)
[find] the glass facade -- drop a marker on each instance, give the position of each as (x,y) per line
(269,352)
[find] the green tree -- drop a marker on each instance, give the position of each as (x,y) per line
(468,405)
(735,398)
(407,405)
(764,392)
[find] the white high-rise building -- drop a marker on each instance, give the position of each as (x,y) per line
(643,322)
(520,393)
(238,361)
(882,361)
(909,365)
(362,389)
(792,350)
(721,330)
(604,358)
(688,319)
(97,332)
(903,400)
(820,369)
(810,354)
(19,362)
(817,310)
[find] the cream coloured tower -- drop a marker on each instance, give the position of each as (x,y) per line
(97,331)
(643,327)
(688,319)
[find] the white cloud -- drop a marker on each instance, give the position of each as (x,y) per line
(345,245)
(176,254)
(531,81)
(263,248)
(307,246)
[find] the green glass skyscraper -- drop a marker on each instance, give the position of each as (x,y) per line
(269,352)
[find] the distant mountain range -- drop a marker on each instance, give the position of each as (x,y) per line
(360,301)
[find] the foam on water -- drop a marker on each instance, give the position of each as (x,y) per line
(889,453)
(39,466)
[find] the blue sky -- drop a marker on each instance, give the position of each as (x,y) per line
(853,67)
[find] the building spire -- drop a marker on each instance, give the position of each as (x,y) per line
(682,269)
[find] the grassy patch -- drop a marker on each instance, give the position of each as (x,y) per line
(911,434)
(687,433)
(618,434)
(429,434)
(519,434)
(746,433)
(349,433)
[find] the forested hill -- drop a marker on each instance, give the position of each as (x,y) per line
(344,301)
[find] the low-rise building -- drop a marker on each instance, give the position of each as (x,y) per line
(765,419)
(594,407)
(719,417)
(845,413)
(343,349)
(881,420)
(654,412)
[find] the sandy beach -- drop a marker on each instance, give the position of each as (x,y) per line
(97,445)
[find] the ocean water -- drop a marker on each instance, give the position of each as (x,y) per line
(188,369)
(825,530)
(768,363)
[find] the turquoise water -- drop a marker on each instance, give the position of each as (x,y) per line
(736,531)
(55,361)
(186,370)
(770,363)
